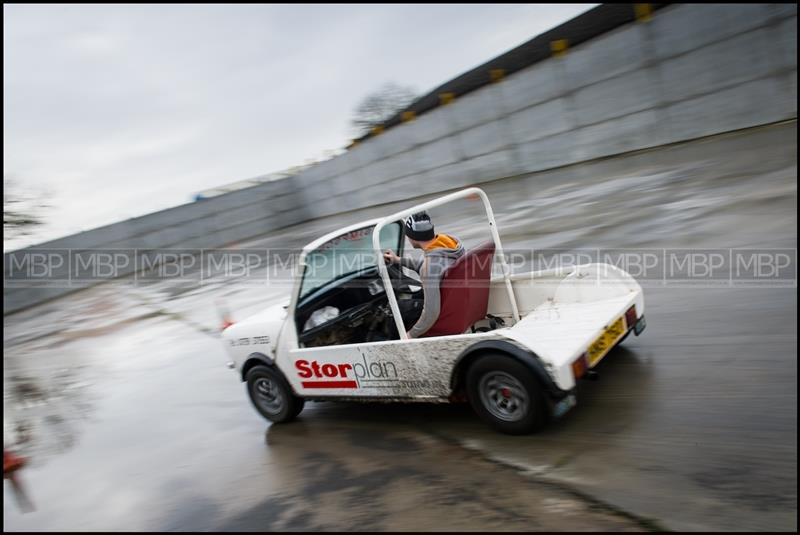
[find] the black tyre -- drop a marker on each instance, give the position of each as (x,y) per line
(506,395)
(271,395)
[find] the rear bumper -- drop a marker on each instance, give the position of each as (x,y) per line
(559,407)
(639,326)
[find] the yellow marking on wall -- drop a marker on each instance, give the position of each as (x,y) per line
(408,116)
(559,47)
(497,74)
(446,98)
(644,12)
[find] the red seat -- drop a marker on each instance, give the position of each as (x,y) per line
(464,291)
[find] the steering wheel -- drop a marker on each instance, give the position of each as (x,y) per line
(400,281)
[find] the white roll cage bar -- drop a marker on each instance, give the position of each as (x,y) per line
(463,194)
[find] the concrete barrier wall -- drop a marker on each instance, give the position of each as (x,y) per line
(210,223)
(690,71)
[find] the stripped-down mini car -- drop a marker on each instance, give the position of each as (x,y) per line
(513,345)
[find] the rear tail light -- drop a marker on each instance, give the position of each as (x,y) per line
(580,366)
(630,316)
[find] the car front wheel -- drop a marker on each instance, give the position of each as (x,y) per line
(271,395)
(506,395)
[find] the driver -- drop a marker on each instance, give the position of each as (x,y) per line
(440,251)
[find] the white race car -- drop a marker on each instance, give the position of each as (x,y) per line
(513,344)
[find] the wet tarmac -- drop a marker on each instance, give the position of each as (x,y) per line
(120,396)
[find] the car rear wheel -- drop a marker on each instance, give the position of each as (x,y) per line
(506,395)
(271,395)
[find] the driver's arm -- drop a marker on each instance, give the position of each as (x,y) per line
(410,263)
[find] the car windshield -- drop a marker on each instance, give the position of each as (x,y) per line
(346,254)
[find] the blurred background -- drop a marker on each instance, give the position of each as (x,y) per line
(256,128)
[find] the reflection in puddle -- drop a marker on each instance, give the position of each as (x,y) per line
(41,412)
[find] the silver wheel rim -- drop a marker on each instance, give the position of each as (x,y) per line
(503,396)
(268,395)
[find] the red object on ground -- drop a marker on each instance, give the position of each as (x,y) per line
(12,463)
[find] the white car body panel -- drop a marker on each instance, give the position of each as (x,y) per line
(561,313)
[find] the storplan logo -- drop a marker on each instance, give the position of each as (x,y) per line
(344,375)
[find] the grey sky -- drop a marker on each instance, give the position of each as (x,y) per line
(121,110)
